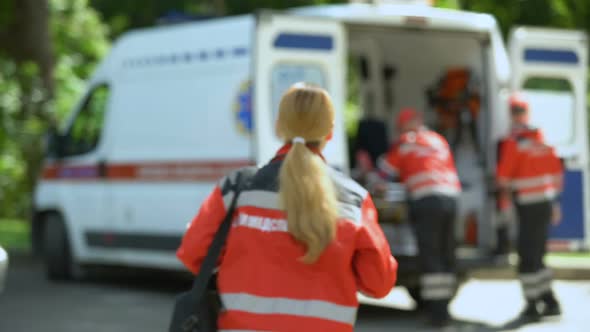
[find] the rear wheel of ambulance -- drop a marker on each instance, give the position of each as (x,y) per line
(57,250)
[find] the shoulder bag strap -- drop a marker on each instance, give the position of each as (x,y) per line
(208,266)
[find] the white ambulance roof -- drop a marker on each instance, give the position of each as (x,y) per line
(177,37)
(428,17)
(524,32)
(398,15)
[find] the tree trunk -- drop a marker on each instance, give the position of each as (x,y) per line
(219,7)
(27,38)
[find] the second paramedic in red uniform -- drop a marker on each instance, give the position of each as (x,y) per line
(422,160)
(305,237)
(531,169)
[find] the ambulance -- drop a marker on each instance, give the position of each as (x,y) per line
(172,109)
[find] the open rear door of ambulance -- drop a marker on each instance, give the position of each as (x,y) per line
(291,49)
(550,68)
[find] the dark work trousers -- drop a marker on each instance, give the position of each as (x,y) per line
(534,222)
(433,220)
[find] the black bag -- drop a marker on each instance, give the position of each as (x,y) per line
(197,309)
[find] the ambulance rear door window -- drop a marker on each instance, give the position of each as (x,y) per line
(552,108)
(285,75)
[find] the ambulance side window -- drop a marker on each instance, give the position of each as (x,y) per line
(84,133)
(285,75)
(552,106)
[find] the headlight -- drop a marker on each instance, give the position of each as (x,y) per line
(3,267)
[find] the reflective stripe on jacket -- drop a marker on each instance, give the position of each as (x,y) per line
(423,161)
(529,167)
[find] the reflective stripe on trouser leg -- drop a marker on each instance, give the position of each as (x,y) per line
(438,286)
(536,284)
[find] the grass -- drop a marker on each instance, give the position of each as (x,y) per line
(584,254)
(14,234)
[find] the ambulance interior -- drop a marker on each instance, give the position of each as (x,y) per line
(394,68)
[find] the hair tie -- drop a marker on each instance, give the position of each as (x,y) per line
(298,140)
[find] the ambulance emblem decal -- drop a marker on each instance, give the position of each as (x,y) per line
(243,108)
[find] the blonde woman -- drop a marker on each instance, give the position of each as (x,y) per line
(304,239)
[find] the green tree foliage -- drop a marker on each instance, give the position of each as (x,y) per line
(80,41)
(573,14)
(17,96)
(27,107)
(122,15)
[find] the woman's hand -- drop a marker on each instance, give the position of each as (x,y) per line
(556,214)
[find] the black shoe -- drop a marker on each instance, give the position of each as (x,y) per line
(439,322)
(552,307)
(531,313)
(553,310)
(438,313)
(446,325)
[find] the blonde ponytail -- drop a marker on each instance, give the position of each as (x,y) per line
(306,191)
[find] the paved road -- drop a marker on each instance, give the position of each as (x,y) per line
(141,301)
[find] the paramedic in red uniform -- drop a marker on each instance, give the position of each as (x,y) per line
(530,170)
(305,237)
(422,160)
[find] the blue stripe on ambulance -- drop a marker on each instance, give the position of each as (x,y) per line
(186,57)
(304,41)
(553,56)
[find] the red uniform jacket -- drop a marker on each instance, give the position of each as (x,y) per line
(530,167)
(262,283)
(423,161)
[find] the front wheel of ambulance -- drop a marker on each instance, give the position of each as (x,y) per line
(57,253)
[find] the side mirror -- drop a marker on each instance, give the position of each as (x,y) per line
(54,143)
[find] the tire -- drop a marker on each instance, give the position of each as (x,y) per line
(57,251)
(415,294)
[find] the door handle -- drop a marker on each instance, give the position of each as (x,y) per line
(102,169)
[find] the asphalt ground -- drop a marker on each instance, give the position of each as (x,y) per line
(139,300)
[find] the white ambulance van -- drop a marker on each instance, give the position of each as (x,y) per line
(171,109)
